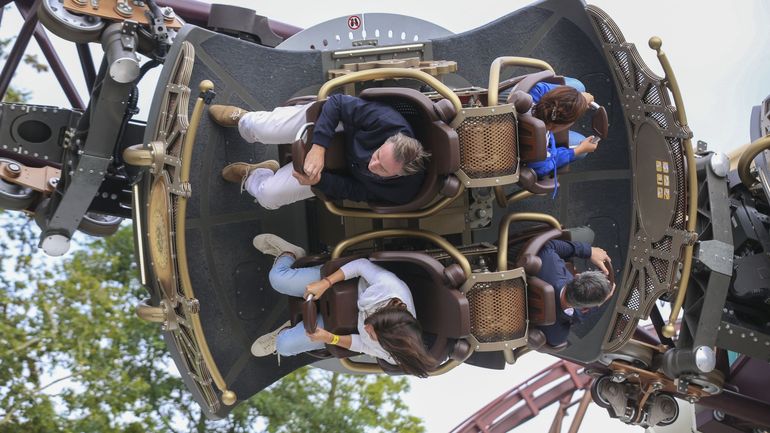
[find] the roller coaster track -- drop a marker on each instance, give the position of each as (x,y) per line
(557,383)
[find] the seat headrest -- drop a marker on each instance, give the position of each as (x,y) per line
(445,110)
(454,275)
(390,95)
(529,80)
(521,100)
(600,123)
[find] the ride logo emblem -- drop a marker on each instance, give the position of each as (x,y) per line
(663,180)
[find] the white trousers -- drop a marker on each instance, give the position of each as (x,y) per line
(275,190)
(274,127)
(279,126)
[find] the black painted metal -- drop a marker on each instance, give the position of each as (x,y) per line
(658,323)
(17,52)
(740,406)
(87,64)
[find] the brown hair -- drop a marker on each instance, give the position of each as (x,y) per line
(562,105)
(400,334)
(409,151)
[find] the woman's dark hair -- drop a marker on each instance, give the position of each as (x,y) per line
(562,105)
(400,334)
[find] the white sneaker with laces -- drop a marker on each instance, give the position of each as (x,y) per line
(265,345)
(275,246)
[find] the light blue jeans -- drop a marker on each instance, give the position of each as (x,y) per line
(292,282)
(575,137)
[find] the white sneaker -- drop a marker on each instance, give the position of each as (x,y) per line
(275,246)
(265,345)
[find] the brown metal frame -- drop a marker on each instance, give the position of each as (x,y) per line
(497,416)
(37,178)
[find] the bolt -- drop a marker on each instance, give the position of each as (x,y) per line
(167,12)
(13,169)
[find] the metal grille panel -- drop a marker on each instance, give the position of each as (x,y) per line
(661,268)
(488,146)
(676,146)
(498,310)
(652,265)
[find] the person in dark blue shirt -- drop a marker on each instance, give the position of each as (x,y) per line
(385,161)
(575,295)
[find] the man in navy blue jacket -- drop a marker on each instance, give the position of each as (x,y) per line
(385,162)
(575,295)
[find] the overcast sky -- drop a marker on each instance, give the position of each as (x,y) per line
(718,52)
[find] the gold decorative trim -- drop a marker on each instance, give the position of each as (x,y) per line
(432,67)
(138,232)
(228,397)
(502,252)
(395,233)
(497,65)
(388,73)
(517,196)
(423,213)
(152,314)
(369,368)
(669,330)
(746,157)
(159,232)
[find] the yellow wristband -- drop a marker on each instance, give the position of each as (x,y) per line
(335,339)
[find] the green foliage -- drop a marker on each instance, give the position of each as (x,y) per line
(75,358)
(336,403)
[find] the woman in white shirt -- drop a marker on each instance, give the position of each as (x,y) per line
(387,324)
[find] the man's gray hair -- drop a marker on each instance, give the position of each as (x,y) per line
(409,151)
(587,289)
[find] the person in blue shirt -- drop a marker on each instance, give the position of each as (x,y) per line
(559,107)
(385,162)
(576,296)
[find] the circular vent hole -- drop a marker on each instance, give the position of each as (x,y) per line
(34,131)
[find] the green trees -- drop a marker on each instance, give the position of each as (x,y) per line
(75,358)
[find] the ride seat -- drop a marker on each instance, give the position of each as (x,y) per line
(428,121)
(541,296)
(442,309)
